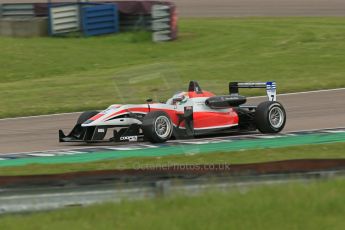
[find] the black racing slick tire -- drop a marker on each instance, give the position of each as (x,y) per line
(86,132)
(86,116)
(157,127)
(270,117)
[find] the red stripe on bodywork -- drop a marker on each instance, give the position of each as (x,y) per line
(114,114)
(124,111)
(140,110)
(96,116)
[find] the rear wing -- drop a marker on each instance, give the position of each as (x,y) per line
(270,86)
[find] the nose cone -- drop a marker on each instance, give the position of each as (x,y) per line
(103,116)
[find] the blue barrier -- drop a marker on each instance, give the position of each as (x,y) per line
(100,19)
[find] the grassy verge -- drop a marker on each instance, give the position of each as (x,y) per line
(318,205)
(49,75)
(250,156)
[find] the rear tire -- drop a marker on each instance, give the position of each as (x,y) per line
(157,127)
(270,117)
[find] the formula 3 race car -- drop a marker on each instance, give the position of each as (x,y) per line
(185,115)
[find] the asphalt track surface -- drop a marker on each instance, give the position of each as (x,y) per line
(240,8)
(305,111)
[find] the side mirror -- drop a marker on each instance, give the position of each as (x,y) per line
(149,100)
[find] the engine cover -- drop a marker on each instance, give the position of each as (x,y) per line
(226,101)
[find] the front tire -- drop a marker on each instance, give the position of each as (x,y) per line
(83,131)
(86,116)
(157,127)
(270,117)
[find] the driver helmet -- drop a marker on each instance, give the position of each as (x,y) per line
(179,96)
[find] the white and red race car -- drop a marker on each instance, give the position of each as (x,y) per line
(187,114)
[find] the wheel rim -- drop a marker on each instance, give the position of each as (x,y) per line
(276,117)
(162,127)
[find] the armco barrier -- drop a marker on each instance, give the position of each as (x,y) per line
(159,17)
(17,10)
(130,22)
(64,18)
(162,23)
(100,19)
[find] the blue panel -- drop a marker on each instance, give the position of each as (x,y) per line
(100,19)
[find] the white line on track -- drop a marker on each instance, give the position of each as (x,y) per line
(306,92)
(39,116)
(313,130)
(61,114)
(58,150)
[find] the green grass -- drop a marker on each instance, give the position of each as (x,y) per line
(316,205)
(50,75)
(320,151)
